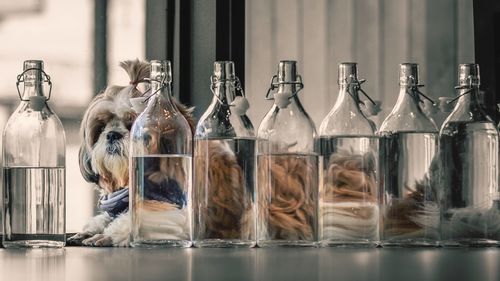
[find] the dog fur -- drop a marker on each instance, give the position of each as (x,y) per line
(104,152)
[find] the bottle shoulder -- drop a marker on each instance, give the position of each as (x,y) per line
(219,121)
(339,123)
(414,121)
(287,130)
(25,120)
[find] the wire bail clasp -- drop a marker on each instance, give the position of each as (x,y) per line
(46,78)
(355,84)
(274,85)
(470,86)
(239,103)
(414,87)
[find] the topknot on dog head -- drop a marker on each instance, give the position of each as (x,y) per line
(137,70)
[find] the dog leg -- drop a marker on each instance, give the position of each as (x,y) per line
(118,231)
(95,226)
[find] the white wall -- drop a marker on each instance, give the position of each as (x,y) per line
(378,34)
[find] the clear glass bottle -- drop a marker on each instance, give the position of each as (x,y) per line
(288,176)
(160,173)
(224,167)
(349,208)
(468,153)
(34,167)
(408,144)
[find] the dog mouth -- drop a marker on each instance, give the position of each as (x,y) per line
(113,149)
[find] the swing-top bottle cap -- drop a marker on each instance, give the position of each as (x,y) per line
(160,68)
(224,70)
(408,74)
(468,74)
(347,71)
(287,71)
(34,73)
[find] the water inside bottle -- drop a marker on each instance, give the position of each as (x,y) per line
(34,207)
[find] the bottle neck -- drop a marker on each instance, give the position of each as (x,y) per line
(163,90)
(291,91)
(408,100)
(31,89)
(471,100)
(348,99)
(223,93)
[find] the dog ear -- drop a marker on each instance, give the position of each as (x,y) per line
(85,165)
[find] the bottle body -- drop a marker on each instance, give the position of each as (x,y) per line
(470,203)
(288,174)
(160,169)
(408,144)
(468,150)
(34,172)
(349,209)
(409,202)
(224,169)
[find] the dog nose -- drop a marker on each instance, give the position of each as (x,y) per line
(112,136)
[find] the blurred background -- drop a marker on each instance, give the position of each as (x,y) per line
(82,42)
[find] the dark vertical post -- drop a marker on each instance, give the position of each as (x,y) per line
(160,20)
(230,34)
(216,31)
(182,51)
(487,49)
(100,45)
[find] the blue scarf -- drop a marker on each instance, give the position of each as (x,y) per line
(168,190)
(114,203)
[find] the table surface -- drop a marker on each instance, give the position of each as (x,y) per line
(80,263)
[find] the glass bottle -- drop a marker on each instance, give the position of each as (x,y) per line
(34,167)
(468,152)
(410,214)
(160,173)
(287,177)
(349,208)
(224,167)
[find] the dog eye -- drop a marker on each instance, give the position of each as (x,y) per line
(96,132)
(128,125)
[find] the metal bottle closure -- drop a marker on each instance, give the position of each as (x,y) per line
(468,78)
(348,77)
(33,76)
(224,73)
(408,77)
(288,82)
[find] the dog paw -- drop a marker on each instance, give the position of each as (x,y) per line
(77,239)
(98,240)
(122,243)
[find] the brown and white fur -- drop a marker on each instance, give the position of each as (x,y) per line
(104,153)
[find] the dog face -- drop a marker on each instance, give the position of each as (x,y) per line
(106,134)
(105,130)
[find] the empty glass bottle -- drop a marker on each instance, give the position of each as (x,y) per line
(224,166)
(410,213)
(34,167)
(349,208)
(287,177)
(160,173)
(468,152)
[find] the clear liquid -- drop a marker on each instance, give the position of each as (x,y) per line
(409,202)
(469,178)
(160,201)
(34,207)
(349,206)
(224,188)
(287,199)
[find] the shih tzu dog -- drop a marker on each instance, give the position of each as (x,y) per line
(104,157)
